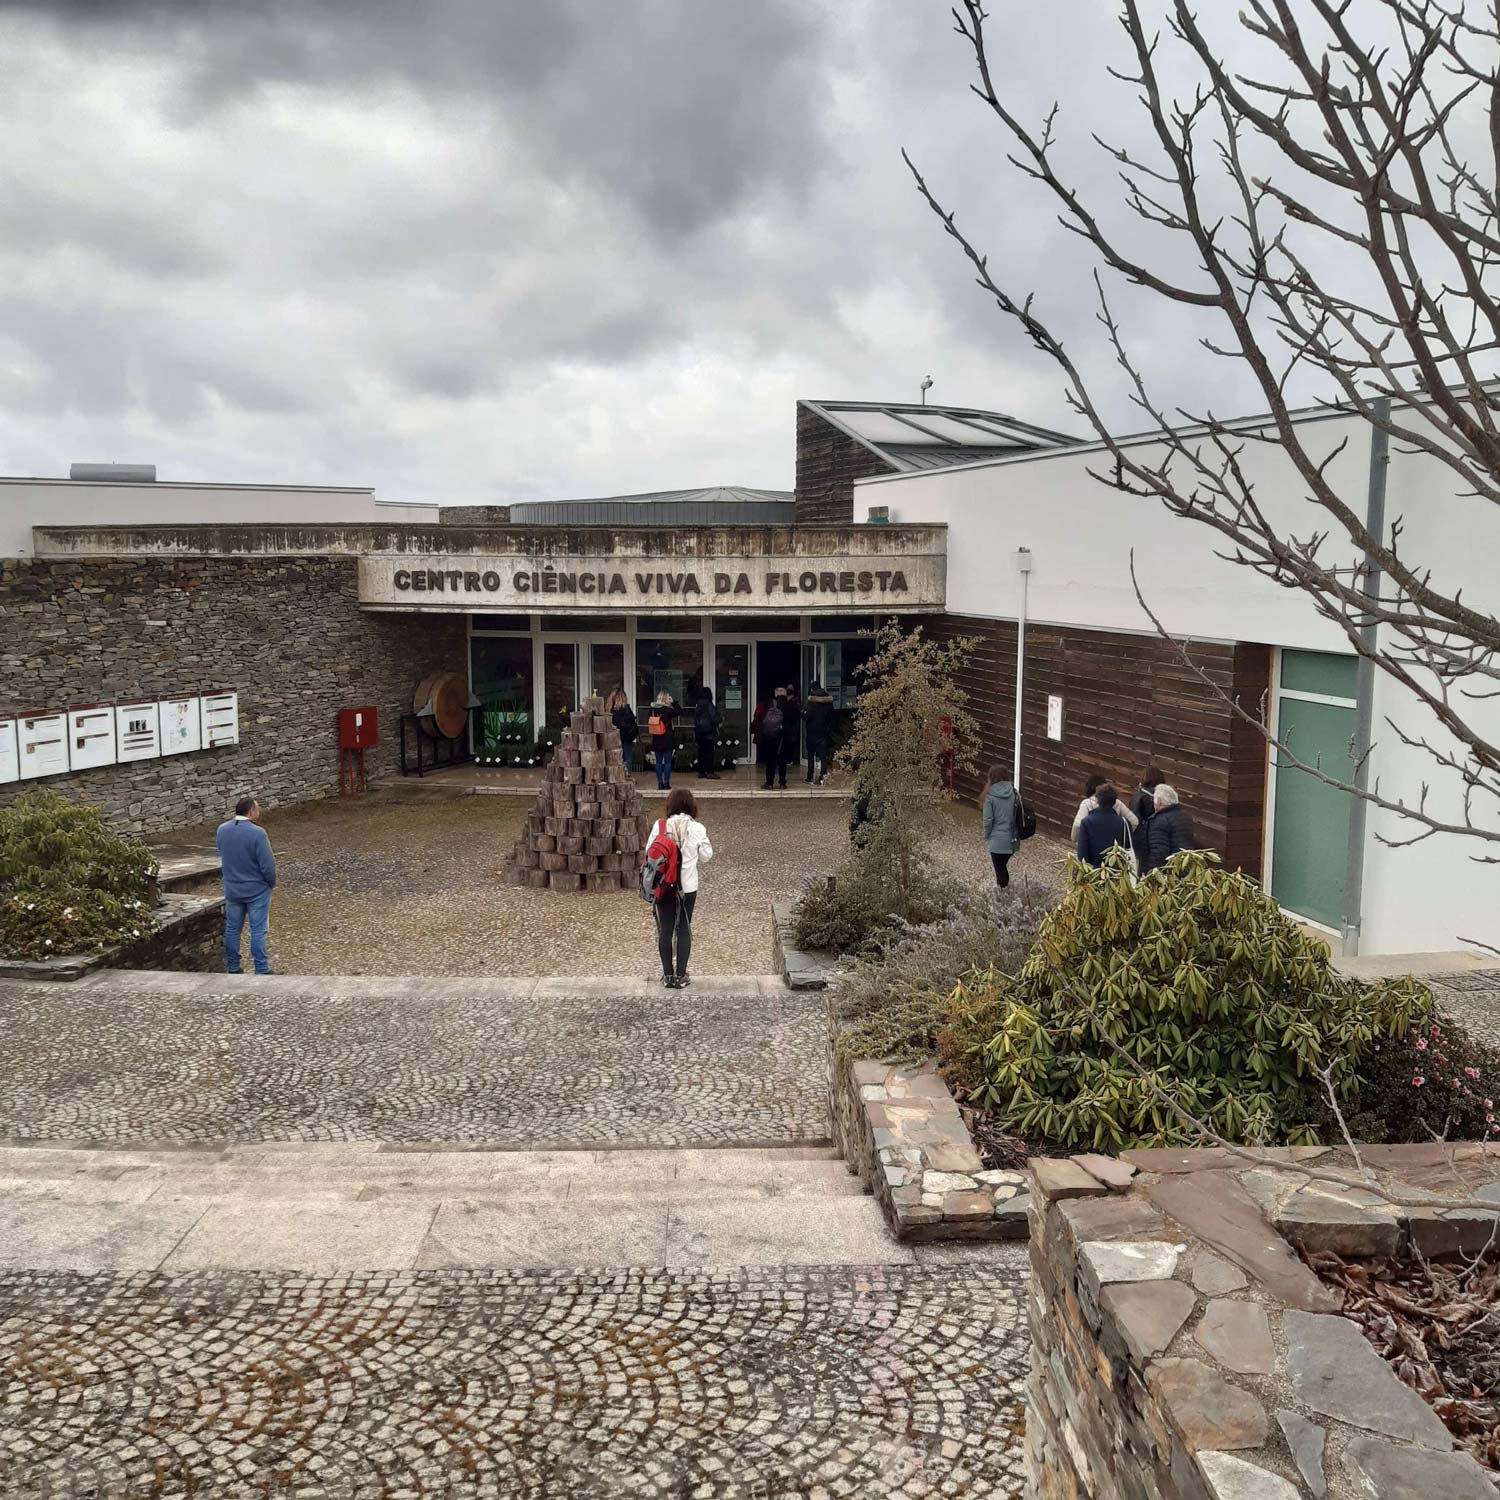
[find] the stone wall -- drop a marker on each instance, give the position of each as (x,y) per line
(1181,1350)
(285,632)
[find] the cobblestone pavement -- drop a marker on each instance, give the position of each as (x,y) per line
(410,884)
(1472,999)
(124,1057)
(809,1382)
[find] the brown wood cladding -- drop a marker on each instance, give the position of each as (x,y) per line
(1129,702)
(828,463)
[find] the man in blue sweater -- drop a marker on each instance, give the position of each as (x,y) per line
(249,876)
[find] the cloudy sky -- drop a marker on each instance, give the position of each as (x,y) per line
(473,250)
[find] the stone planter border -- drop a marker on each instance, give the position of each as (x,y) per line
(188,936)
(1181,1350)
(799,969)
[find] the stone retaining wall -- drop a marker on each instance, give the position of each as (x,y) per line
(1181,1350)
(187,935)
(285,632)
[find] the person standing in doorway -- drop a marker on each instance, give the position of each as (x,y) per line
(706,732)
(1000,819)
(1171,827)
(771,736)
(674,906)
(622,715)
(1102,828)
(791,734)
(818,717)
(249,872)
(659,727)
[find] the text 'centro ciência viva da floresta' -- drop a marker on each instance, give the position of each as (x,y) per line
(554,581)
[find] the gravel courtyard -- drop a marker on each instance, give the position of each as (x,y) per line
(405,882)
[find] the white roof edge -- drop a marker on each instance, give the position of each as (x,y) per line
(1130,440)
(202,484)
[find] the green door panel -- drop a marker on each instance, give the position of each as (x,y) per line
(1310,844)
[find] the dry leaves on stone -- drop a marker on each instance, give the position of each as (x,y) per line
(1437,1324)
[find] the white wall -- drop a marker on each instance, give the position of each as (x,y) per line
(1081,530)
(25,503)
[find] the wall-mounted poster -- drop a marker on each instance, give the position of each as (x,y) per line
(221,719)
(91,737)
(10,764)
(181,725)
(44,746)
(1054,716)
(137,736)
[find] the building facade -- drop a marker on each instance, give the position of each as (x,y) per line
(283,606)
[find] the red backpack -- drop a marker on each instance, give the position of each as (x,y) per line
(661,865)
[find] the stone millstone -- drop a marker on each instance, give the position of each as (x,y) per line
(588,824)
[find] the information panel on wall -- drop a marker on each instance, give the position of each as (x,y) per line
(91,737)
(10,766)
(137,735)
(181,725)
(221,719)
(44,746)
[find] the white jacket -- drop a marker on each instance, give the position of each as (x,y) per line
(1090,803)
(693,848)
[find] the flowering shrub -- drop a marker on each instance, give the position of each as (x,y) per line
(67,884)
(1436,1081)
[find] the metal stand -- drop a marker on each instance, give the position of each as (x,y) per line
(352,772)
(433,751)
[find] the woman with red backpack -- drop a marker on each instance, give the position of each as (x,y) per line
(677,845)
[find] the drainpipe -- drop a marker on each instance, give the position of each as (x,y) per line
(1023,562)
(1364,698)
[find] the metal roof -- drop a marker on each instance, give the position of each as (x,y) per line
(909,436)
(718,505)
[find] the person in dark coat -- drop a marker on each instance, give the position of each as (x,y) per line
(1102,828)
(1143,805)
(617,706)
(1171,827)
(706,732)
(818,716)
(791,739)
(663,711)
(770,737)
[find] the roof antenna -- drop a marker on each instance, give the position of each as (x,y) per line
(926,386)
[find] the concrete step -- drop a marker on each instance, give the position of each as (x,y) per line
(320,1210)
(416,986)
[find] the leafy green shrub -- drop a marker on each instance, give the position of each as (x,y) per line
(67,884)
(864,900)
(1219,1002)
(894,1000)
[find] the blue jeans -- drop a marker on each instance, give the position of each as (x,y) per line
(663,760)
(258,909)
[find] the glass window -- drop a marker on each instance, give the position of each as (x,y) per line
(842,624)
(501,673)
(502,622)
(766,624)
(666,666)
(732,674)
(584,624)
(852,657)
(1320,672)
(669,625)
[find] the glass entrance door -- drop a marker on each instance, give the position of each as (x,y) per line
(732,693)
(606,667)
(559,685)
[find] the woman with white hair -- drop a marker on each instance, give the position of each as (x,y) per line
(1170,828)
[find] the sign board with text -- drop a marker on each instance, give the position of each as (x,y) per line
(44,745)
(91,737)
(137,731)
(899,580)
(181,725)
(10,764)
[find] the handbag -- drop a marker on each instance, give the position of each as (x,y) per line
(1025,819)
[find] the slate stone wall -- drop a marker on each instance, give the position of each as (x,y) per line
(1181,1350)
(285,632)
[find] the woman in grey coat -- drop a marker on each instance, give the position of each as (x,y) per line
(1000,823)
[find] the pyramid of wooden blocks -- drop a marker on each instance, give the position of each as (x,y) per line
(586,829)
